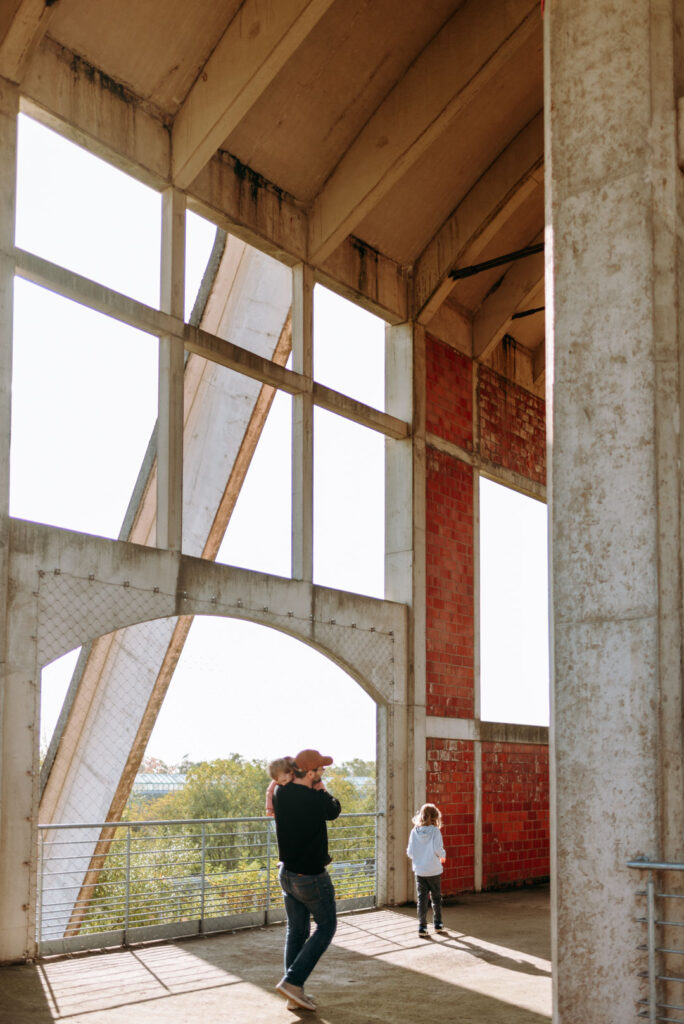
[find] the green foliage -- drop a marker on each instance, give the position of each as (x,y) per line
(168,862)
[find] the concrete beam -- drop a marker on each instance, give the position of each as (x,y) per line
(494,318)
(508,183)
(18,691)
(22,27)
(462,58)
(210,346)
(258,42)
(64,92)
(170,412)
(405,565)
(302,425)
(71,97)
(475,731)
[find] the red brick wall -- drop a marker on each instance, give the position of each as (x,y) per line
(515,813)
(450,636)
(512,426)
(515,776)
(450,785)
(449,412)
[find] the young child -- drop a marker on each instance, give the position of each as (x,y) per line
(280,771)
(426,850)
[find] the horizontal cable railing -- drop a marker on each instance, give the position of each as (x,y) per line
(151,879)
(665,970)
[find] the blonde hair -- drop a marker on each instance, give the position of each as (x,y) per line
(428,815)
(280,765)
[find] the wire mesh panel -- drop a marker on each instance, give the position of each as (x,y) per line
(170,878)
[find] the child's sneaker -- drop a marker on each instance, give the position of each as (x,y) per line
(422,931)
(439,927)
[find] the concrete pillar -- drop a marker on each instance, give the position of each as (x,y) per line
(614,203)
(18,689)
(302,425)
(171,376)
(405,553)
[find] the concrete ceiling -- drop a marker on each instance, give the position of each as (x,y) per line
(386,144)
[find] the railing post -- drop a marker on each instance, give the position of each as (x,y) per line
(651,940)
(375,858)
(41,885)
(268,870)
(127,895)
(204,861)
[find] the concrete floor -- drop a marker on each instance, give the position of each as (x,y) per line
(492,967)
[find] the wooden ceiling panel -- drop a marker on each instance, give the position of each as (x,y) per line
(400,226)
(156,50)
(308,117)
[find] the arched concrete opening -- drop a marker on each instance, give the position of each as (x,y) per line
(72,601)
(110,712)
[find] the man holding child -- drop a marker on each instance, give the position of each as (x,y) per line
(302,807)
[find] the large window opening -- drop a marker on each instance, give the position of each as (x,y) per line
(514,622)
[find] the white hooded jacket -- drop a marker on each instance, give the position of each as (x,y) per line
(425,847)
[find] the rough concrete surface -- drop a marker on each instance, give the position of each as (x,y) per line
(491,966)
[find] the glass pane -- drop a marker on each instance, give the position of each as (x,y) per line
(265,702)
(54,683)
(259,532)
(514,619)
(349,348)
(200,235)
(84,406)
(349,505)
(80,212)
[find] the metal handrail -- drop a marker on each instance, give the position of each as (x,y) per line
(164,877)
(657,976)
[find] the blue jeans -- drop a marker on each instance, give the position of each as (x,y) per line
(307,896)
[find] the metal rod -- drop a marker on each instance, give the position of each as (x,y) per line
(652,995)
(498,261)
(204,858)
(527,312)
(127,896)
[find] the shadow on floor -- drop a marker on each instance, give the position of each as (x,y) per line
(377,970)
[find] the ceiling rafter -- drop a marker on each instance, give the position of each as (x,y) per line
(23,33)
(257,43)
(463,57)
(516,174)
(494,318)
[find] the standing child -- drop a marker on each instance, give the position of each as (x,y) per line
(426,850)
(280,771)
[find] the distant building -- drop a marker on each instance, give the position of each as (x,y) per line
(152,785)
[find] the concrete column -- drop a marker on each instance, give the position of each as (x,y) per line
(302,425)
(171,376)
(18,689)
(614,203)
(405,546)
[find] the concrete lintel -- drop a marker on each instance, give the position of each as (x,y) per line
(219,350)
(484,732)
(485,467)
(166,583)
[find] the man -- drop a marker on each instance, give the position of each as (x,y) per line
(302,809)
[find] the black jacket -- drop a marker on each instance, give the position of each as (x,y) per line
(300,815)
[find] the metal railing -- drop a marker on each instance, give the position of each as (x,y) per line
(167,879)
(664,914)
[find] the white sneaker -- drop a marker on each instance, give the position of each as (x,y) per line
(295,994)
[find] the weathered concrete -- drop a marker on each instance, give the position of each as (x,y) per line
(492,967)
(613,206)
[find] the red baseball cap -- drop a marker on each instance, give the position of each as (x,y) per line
(309,760)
